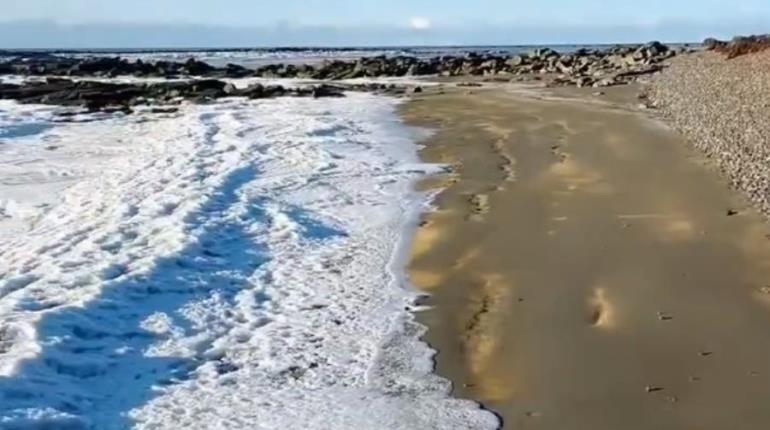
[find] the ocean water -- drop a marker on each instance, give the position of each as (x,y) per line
(235,265)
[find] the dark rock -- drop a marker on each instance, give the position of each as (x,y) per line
(236,71)
(415,90)
(113,97)
(253,91)
(164,110)
(327,91)
(583,81)
(197,68)
(712,43)
(544,53)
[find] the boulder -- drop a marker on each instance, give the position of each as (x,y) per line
(516,61)
(253,91)
(583,81)
(236,71)
(544,53)
(327,91)
(712,43)
(194,67)
(231,90)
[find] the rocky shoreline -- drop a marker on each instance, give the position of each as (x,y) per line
(66,81)
(100,96)
(583,66)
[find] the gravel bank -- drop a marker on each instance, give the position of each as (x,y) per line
(723,108)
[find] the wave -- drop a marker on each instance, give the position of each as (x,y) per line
(232,265)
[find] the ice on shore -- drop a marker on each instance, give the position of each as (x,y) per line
(236,265)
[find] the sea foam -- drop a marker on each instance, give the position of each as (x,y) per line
(233,265)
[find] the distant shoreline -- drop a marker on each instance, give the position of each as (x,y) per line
(373,48)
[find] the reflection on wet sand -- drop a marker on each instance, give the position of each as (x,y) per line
(586,271)
(481,339)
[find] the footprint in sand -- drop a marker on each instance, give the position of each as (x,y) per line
(507,163)
(600,311)
(557,152)
(479,206)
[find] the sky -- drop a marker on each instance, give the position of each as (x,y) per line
(155,23)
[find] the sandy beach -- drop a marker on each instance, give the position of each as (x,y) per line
(587,268)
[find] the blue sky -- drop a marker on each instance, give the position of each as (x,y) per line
(365,22)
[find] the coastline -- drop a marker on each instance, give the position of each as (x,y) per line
(578,266)
(567,272)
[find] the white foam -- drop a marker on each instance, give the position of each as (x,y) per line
(235,265)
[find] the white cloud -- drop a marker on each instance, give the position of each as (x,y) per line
(419,23)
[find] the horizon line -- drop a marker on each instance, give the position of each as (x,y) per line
(235,48)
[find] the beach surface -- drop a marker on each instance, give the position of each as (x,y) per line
(587,269)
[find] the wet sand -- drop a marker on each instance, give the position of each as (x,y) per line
(587,270)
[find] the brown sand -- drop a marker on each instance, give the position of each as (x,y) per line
(585,273)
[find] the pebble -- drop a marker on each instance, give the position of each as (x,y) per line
(719,105)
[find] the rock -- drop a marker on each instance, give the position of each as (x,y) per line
(197,68)
(516,60)
(583,81)
(712,43)
(114,97)
(271,91)
(164,110)
(236,71)
(631,62)
(327,91)
(231,90)
(742,45)
(655,48)
(606,82)
(208,85)
(544,53)
(415,90)
(253,91)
